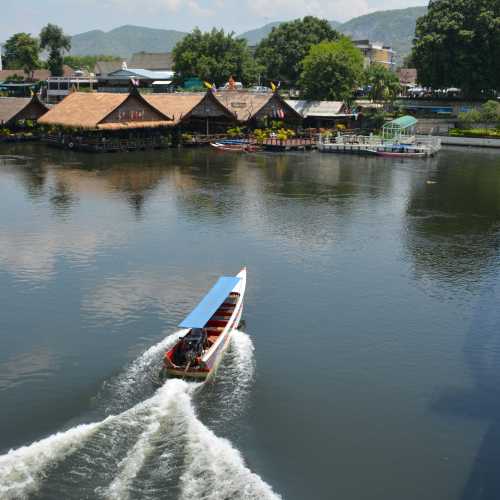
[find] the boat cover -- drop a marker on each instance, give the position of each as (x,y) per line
(200,315)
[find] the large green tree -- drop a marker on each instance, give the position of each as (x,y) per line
(384,83)
(457,44)
(331,71)
(214,56)
(53,39)
(21,52)
(283,50)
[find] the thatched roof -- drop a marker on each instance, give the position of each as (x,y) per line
(247,105)
(243,104)
(103,68)
(177,105)
(89,109)
(151,60)
(38,74)
(11,107)
(181,106)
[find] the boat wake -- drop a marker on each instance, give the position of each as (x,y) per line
(157,448)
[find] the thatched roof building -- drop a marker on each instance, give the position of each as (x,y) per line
(196,110)
(158,61)
(250,106)
(105,111)
(35,76)
(15,109)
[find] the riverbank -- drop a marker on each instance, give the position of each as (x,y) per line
(470,142)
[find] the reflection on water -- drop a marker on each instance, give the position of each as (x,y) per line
(373,302)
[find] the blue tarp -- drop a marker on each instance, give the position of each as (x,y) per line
(210,303)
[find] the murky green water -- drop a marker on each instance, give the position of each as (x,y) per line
(370,367)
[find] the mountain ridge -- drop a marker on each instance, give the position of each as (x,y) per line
(394,27)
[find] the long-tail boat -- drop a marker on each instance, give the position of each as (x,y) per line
(207,330)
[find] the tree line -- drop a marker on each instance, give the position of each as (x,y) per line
(305,53)
(457,44)
(22,51)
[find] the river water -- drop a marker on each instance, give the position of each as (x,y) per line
(368,367)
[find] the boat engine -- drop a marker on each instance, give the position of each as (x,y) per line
(193,345)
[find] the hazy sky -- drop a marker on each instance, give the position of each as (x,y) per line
(77,16)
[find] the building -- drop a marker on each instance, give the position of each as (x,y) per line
(257,108)
(37,75)
(120,80)
(197,111)
(58,87)
(106,121)
(376,53)
(320,114)
(15,111)
(152,61)
(407,77)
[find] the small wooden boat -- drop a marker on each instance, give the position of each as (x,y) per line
(402,154)
(207,330)
(235,147)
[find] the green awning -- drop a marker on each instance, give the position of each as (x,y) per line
(403,122)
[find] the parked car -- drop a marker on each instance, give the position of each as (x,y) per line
(260,88)
(237,85)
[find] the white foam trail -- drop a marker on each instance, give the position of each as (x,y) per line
(21,469)
(214,469)
(164,400)
(127,385)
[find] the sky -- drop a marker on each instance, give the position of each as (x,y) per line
(77,16)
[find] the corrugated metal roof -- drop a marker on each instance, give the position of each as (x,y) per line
(316,108)
(199,317)
(403,122)
(141,73)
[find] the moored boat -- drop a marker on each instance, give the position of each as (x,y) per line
(207,330)
(237,146)
(402,154)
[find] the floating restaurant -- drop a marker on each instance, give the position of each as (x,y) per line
(106,122)
(196,112)
(15,112)
(115,121)
(255,109)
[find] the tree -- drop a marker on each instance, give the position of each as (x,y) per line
(283,50)
(384,83)
(331,71)
(457,44)
(21,52)
(214,56)
(55,41)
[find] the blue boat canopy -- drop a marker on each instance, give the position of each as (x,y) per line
(211,302)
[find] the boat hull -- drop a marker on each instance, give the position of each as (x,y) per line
(212,358)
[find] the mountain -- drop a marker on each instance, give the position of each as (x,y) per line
(253,37)
(392,27)
(125,41)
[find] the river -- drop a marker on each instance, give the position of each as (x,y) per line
(368,366)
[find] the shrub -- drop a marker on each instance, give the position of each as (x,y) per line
(490,112)
(475,132)
(470,117)
(235,131)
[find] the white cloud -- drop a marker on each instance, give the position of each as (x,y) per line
(197,10)
(332,10)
